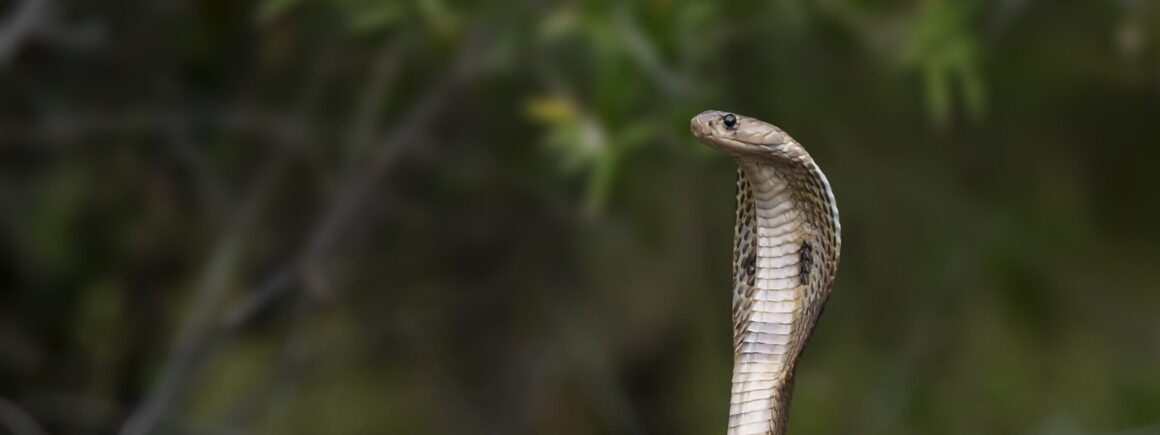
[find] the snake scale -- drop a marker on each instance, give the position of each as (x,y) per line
(785,254)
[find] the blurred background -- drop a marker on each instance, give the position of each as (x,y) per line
(489,217)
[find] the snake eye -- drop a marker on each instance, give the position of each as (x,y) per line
(729,120)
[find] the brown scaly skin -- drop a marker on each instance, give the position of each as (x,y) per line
(785,254)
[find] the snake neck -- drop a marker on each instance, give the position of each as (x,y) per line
(785,241)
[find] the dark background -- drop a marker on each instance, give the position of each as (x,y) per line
(489,217)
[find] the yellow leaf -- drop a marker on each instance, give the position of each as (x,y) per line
(550,109)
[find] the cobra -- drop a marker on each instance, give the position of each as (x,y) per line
(787,242)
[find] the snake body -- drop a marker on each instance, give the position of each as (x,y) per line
(785,254)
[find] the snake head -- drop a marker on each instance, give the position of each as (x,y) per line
(740,136)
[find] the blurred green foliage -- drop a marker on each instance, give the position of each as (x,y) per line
(364,217)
